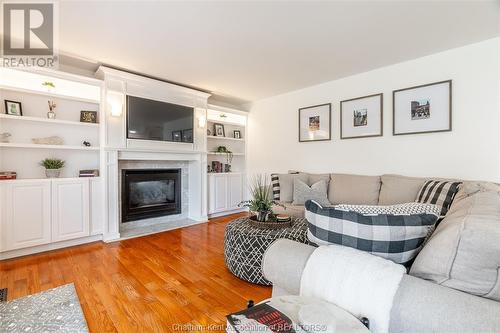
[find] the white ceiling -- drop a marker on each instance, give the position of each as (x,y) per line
(252,50)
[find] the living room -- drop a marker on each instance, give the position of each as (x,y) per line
(277,166)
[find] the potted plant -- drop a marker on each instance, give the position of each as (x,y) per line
(52,167)
(224,150)
(262,198)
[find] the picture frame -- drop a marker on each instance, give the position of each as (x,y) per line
(422,109)
(237,134)
(219,130)
(315,123)
(362,117)
(13,108)
(88,117)
(176,136)
(187,135)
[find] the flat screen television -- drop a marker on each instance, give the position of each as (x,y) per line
(158,121)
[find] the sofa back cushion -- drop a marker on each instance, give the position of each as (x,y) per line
(397,189)
(282,185)
(354,189)
(464,251)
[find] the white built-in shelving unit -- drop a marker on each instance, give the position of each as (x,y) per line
(226,189)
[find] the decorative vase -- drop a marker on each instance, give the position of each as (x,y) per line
(52,173)
(262,216)
(51,115)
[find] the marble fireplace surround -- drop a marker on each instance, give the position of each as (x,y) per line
(193,192)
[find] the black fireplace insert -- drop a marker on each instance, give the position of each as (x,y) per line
(150,193)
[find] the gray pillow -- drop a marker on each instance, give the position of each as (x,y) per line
(303,192)
(286,185)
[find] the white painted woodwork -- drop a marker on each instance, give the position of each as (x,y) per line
(70,209)
(235,190)
(26,219)
(225,192)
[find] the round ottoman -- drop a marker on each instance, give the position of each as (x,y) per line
(244,246)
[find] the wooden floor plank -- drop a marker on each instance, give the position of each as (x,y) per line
(168,282)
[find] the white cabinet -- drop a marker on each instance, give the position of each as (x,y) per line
(26,219)
(224,192)
(70,209)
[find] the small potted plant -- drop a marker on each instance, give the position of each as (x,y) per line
(262,201)
(49,85)
(52,167)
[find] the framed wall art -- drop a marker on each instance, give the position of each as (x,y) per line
(361,117)
(315,123)
(422,109)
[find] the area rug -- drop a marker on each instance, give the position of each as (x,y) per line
(54,310)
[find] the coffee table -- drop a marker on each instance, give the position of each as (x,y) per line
(244,246)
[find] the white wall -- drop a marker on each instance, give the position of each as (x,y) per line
(470,151)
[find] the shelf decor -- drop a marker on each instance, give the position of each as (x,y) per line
(422,109)
(237,134)
(52,167)
(315,123)
(219,130)
(52,106)
(13,108)
(88,116)
(361,117)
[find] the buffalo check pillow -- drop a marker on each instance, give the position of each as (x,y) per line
(395,232)
(440,193)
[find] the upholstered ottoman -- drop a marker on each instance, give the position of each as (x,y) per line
(244,246)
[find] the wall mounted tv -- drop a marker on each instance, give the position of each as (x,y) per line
(158,121)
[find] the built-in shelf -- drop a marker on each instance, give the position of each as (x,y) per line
(46,120)
(49,94)
(45,179)
(224,173)
(226,122)
(225,138)
(216,153)
(41,146)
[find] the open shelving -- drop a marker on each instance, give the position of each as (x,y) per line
(44,146)
(45,120)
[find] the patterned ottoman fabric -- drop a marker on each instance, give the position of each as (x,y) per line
(244,246)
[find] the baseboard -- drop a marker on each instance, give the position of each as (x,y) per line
(48,247)
(229,212)
(112,237)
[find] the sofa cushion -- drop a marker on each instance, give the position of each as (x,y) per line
(353,189)
(463,253)
(439,193)
(397,189)
(283,185)
(396,232)
(303,192)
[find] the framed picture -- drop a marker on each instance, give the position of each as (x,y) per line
(315,123)
(237,134)
(422,109)
(13,108)
(187,135)
(219,130)
(177,136)
(88,117)
(361,117)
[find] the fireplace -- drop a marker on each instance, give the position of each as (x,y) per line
(150,193)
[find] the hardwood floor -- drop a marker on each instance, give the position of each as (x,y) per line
(175,281)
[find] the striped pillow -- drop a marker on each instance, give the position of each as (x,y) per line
(275,184)
(440,193)
(394,232)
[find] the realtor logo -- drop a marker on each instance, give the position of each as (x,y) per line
(29,34)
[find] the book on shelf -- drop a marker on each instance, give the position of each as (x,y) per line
(6,175)
(89,173)
(260,318)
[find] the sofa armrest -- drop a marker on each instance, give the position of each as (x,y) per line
(283,264)
(423,306)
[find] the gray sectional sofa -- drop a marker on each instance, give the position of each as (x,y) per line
(454,283)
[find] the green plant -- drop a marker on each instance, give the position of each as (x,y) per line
(49,84)
(224,150)
(52,163)
(262,198)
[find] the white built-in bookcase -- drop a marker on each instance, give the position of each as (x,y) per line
(71,94)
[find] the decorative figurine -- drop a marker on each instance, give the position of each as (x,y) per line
(4,137)
(51,114)
(86,143)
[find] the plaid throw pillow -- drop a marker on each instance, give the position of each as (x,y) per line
(394,232)
(275,184)
(440,193)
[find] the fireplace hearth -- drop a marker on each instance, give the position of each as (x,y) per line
(148,193)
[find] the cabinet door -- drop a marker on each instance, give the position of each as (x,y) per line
(70,209)
(234,189)
(217,195)
(25,214)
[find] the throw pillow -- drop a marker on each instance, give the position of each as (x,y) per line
(303,192)
(438,192)
(395,232)
(275,185)
(284,185)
